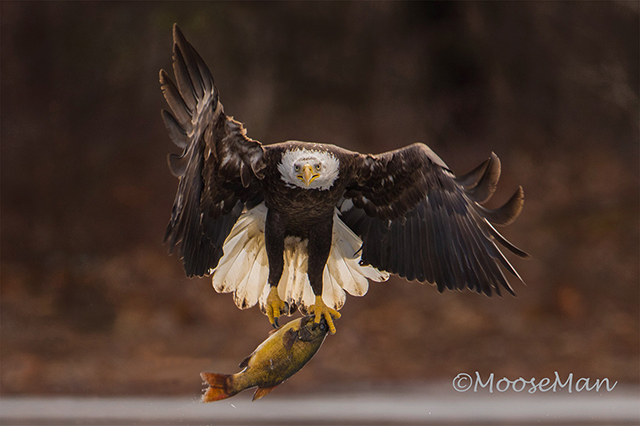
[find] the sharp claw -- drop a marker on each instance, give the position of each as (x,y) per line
(275,307)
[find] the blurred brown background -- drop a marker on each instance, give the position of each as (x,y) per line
(92,304)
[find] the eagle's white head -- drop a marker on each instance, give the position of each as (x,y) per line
(309,169)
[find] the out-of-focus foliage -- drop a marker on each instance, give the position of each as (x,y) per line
(90,301)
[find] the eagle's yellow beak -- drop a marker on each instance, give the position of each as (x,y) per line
(307,175)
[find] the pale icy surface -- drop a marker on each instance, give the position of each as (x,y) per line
(430,405)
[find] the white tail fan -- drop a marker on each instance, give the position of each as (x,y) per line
(244,268)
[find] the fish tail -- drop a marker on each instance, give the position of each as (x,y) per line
(218,387)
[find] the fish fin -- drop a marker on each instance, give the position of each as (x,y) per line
(218,387)
(260,392)
(245,362)
(289,338)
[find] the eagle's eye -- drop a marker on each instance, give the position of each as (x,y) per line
(317,167)
(296,168)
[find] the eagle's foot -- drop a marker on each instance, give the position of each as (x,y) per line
(320,310)
(274,306)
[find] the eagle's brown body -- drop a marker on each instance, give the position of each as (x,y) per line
(299,212)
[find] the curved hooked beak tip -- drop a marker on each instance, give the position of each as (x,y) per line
(307,175)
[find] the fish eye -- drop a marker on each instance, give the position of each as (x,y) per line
(317,167)
(296,168)
(322,324)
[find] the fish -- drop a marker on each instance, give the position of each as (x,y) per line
(279,357)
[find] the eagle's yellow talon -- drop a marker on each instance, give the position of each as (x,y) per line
(320,310)
(274,306)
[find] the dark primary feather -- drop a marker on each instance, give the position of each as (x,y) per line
(418,220)
(218,168)
(486,185)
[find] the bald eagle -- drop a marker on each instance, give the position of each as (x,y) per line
(294,225)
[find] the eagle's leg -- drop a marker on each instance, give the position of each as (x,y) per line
(274,242)
(318,249)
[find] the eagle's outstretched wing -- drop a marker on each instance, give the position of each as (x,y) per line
(218,168)
(420,221)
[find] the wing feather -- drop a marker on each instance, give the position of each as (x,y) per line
(417,219)
(398,264)
(507,213)
(219,168)
(182,120)
(470,179)
(425,249)
(487,183)
(409,248)
(183,80)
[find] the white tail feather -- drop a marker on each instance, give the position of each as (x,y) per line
(259,274)
(244,269)
(332,294)
(248,290)
(246,236)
